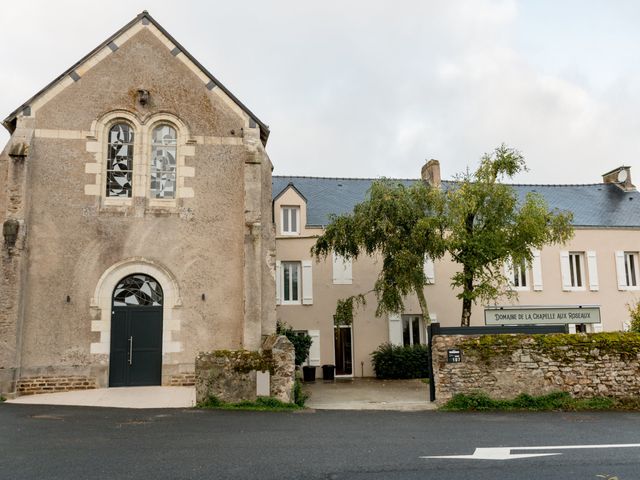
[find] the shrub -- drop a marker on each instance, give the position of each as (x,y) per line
(634,313)
(553,401)
(261,404)
(299,396)
(301,341)
(391,361)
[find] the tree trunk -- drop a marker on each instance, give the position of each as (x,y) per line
(466,312)
(423,305)
(465,321)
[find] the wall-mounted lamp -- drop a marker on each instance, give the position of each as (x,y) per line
(68,299)
(203,297)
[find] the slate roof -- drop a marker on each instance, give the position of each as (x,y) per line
(596,205)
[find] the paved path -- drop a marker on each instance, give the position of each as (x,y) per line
(129,397)
(369,394)
(356,394)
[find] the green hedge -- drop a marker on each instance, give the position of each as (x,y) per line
(479,402)
(391,361)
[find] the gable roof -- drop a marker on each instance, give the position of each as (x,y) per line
(598,205)
(292,187)
(144,18)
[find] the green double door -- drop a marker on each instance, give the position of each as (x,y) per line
(136,346)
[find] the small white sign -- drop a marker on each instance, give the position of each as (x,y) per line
(560,315)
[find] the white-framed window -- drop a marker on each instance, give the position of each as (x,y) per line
(517,275)
(579,269)
(294,282)
(576,269)
(290,220)
(291,284)
(627,270)
(631,268)
(412,330)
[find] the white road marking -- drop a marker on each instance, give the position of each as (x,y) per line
(504,453)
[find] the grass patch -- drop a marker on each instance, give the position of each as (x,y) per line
(2,399)
(262,404)
(480,402)
(425,380)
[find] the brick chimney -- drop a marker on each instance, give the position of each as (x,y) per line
(431,173)
(620,176)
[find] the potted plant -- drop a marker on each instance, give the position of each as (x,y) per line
(302,344)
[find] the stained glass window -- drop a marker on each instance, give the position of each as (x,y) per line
(137,290)
(120,161)
(163,162)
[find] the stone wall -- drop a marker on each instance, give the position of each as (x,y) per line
(503,366)
(232,375)
(48,384)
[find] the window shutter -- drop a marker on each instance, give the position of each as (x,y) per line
(395,329)
(342,270)
(564,270)
(307,283)
(278,282)
(592,265)
(314,351)
(572,328)
(536,265)
(620,270)
(429,271)
(597,327)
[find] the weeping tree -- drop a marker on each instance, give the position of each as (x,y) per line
(488,225)
(400,224)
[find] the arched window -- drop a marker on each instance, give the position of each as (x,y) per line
(137,290)
(163,162)
(120,161)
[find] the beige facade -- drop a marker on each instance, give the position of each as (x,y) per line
(600,252)
(199,224)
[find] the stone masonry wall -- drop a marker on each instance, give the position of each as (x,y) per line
(231,375)
(48,384)
(503,366)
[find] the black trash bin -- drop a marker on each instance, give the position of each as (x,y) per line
(309,373)
(328,372)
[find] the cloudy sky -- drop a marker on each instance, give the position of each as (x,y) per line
(369,88)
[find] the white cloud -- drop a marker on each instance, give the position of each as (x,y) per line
(369,88)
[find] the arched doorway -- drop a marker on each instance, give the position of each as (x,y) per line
(136,332)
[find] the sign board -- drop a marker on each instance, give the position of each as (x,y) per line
(549,315)
(454,356)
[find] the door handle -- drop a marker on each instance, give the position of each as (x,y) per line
(130,350)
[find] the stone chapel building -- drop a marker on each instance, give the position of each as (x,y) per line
(137,229)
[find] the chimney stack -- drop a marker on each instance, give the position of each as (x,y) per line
(431,173)
(620,176)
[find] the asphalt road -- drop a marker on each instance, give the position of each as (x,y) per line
(46,442)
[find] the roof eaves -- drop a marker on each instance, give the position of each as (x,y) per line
(11,117)
(290,185)
(264,128)
(9,122)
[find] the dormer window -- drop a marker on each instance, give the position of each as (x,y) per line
(290,221)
